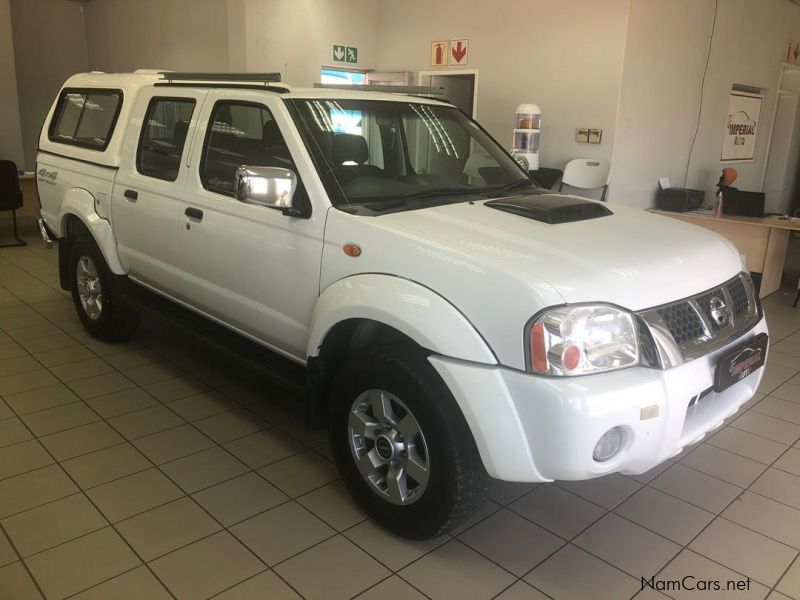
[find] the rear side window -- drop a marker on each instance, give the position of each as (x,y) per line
(163,137)
(86,118)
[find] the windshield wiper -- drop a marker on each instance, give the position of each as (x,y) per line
(512,186)
(443,191)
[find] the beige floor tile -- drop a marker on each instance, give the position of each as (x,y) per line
(81,440)
(334,505)
(744,551)
(175,388)
(146,374)
(696,488)
(173,443)
(724,465)
(790,582)
(606,491)
(206,567)
(573,573)
(239,498)
(332,563)
(627,546)
(13,431)
(505,492)
(16,583)
(202,405)
(300,474)
(296,428)
(22,457)
(167,528)
(789,462)
(768,427)
(281,532)
(47,343)
(129,359)
(105,465)
(486,509)
(33,489)
(557,510)
(11,350)
(27,334)
(748,445)
(701,568)
(779,485)
(81,369)
(393,551)
(264,447)
(5,410)
(231,425)
(7,553)
(788,391)
(263,585)
(134,494)
(776,371)
(521,591)
(514,543)
(203,469)
(23,382)
(137,584)
(40,399)
(60,418)
(21,364)
(455,570)
(675,519)
(780,409)
(82,563)
(54,523)
(100,385)
(779,358)
(146,421)
(64,356)
(761,514)
(121,403)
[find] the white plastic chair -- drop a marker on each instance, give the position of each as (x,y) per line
(587,174)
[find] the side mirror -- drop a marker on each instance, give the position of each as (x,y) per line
(266,186)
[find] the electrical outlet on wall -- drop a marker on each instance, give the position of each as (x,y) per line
(582,135)
(595,136)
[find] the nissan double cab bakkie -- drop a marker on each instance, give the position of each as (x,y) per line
(454,321)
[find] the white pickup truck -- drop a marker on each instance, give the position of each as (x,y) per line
(452,319)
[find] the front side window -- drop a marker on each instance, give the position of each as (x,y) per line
(240,134)
(86,118)
(402,155)
(163,137)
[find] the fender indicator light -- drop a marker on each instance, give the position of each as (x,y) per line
(352,250)
(538,349)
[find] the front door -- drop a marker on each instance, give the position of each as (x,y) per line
(249,266)
(147,193)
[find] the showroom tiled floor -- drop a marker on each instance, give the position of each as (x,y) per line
(156,469)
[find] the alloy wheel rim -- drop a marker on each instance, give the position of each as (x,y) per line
(90,291)
(388,447)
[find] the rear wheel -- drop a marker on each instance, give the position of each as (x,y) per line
(402,445)
(96,293)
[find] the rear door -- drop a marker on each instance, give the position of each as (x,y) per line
(146,200)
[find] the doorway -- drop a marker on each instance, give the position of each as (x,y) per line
(780,183)
(460,87)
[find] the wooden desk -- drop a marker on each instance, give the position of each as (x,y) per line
(763,241)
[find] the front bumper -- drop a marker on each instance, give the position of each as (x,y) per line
(533,428)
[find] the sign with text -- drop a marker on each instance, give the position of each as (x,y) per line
(741,127)
(459,50)
(440,50)
(348,54)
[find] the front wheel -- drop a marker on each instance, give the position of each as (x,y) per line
(95,293)
(403,447)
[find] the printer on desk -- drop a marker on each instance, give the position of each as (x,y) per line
(678,199)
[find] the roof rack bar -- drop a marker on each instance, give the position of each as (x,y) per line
(179,76)
(394,89)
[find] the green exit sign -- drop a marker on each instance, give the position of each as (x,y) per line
(348,54)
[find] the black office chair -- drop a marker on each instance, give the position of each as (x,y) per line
(10,198)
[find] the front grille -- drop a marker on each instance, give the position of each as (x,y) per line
(704,304)
(682,322)
(739,297)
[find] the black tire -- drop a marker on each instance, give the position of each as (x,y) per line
(113,321)
(457,480)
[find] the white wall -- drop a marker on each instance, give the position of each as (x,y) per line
(10,130)
(49,46)
(664,60)
(565,56)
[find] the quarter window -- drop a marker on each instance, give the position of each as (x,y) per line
(86,117)
(163,137)
(240,134)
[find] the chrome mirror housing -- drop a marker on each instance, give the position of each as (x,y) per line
(265,186)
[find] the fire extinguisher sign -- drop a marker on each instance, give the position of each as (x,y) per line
(440,52)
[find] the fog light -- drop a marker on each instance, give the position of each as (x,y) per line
(608,445)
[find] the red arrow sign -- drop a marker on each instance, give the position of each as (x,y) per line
(459,51)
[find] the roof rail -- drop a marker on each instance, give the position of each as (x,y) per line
(417,90)
(238,77)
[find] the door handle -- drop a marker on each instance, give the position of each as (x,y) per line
(131,195)
(194,213)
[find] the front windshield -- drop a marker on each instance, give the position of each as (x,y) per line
(377,155)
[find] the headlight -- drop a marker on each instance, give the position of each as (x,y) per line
(577,340)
